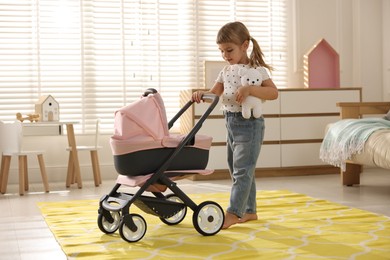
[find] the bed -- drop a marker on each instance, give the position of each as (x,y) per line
(376,151)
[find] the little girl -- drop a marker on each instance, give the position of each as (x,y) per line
(244,136)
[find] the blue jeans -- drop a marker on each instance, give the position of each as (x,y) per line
(244,140)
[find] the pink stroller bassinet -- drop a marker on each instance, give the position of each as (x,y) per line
(146,154)
(142,143)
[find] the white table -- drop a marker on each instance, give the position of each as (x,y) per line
(56,128)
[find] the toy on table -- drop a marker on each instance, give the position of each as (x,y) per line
(30,117)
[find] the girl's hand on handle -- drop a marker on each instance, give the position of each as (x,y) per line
(197,96)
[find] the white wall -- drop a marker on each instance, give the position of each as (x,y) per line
(386,49)
(357,30)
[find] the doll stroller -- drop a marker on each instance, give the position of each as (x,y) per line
(147,156)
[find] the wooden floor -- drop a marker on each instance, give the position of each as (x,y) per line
(24,234)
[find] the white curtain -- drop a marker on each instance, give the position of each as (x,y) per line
(95,56)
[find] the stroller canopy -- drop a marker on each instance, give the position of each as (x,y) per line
(143,125)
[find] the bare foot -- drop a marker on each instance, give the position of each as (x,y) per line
(248,217)
(230,219)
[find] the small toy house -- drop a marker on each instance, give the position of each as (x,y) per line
(48,109)
(321,66)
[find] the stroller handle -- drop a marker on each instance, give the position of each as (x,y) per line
(208,97)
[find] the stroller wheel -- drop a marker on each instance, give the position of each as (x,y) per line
(179,216)
(109,223)
(208,218)
(132,228)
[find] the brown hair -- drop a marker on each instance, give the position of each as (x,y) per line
(237,33)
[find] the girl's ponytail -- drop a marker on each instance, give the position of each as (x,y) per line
(256,56)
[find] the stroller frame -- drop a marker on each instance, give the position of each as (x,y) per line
(114,208)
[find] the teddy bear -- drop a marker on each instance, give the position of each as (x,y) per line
(251,77)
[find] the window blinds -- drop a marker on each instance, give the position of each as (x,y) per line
(95,56)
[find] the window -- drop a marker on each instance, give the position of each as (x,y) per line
(95,56)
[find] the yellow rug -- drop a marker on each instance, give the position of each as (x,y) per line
(291,226)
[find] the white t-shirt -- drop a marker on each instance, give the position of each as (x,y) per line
(231,82)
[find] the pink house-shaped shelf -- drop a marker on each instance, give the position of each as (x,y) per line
(321,66)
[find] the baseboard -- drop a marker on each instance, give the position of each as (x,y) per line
(221,174)
(58,174)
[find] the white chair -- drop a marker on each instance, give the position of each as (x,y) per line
(11,135)
(93,149)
